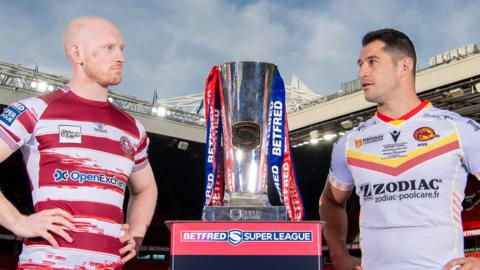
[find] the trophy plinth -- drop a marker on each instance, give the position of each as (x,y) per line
(246,213)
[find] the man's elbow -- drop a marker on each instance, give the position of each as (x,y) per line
(149,190)
(327,203)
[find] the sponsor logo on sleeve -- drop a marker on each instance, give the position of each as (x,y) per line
(474,125)
(70,134)
(365,125)
(12,112)
(439,116)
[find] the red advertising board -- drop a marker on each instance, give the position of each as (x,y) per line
(262,242)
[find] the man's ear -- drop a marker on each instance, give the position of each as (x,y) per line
(405,66)
(75,55)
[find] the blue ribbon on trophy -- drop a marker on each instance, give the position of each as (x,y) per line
(279,155)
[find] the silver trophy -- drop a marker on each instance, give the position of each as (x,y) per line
(246,89)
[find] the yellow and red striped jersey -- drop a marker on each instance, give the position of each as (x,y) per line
(410,175)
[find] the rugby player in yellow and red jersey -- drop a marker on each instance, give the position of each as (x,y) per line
(409,164)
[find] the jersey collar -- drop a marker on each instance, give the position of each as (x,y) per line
(425,104)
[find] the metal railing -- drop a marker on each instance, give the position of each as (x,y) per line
(17,77)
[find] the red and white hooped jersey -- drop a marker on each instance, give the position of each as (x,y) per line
(410,175)
(79,155)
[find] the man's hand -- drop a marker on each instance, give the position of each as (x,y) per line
(347,262)
(468,263)
(129,250)
(43,224)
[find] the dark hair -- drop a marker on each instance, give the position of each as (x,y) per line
(397,44)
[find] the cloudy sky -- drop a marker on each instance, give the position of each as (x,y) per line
(171,45)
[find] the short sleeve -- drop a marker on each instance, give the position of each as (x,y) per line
(141,153)
(469,132)
(17,123)
(339,175)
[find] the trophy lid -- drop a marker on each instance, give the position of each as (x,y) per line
(247,63)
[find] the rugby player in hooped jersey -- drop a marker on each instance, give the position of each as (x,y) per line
(81,152)
(409,164)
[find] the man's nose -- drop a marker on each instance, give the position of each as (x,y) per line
(361,72)
(119,56)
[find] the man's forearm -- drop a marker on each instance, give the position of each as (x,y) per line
(140,211)
(336,226)
(8,213)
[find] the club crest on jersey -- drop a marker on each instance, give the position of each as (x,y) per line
(126,146)
(70,134)
(424,134)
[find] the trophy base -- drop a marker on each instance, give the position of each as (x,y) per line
(253,213)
